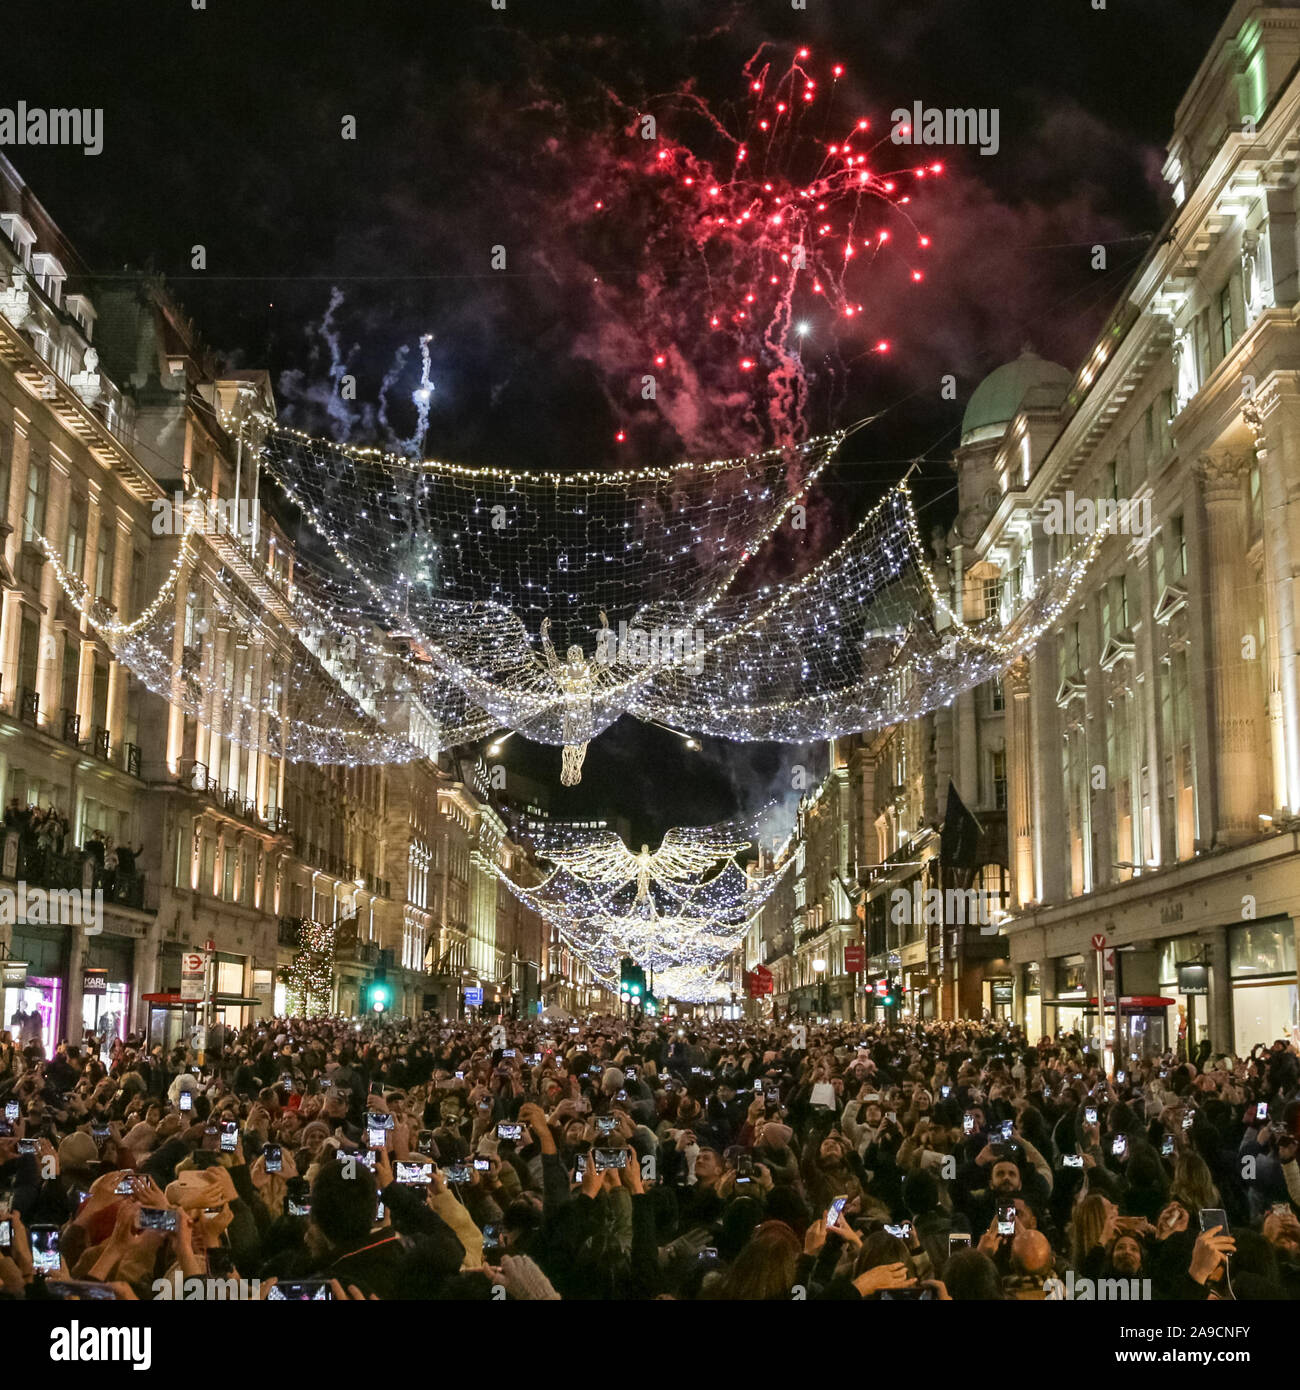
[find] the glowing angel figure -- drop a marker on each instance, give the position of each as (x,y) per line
(577,679)
(686,856)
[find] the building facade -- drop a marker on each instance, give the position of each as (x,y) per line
(1136,778)
(1156,729)
(175,801)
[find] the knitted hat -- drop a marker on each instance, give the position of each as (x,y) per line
(775,1136)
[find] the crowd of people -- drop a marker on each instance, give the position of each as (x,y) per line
(48,857)
(613,1159)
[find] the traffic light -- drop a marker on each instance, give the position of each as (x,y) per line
(378,996)
(631,983)
(893,993)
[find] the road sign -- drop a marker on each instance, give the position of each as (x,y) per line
(1099,942)
(855,959)
(474,998)
(193,976)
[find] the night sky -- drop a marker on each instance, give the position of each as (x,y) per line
(478,127)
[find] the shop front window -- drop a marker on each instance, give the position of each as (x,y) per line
(106,1015)
(1262,948)
(1264,1013)
(1071,975)
(32,1011)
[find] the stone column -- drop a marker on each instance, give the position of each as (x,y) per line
(72,1024)
(1233,684)
(1020,812)
(86,688)
(1279,588)
(47,664)
(11,627)
(1220,997)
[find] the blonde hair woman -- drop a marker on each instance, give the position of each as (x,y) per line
(1193,1186)
(1092,1227)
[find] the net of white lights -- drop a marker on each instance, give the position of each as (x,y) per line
(649,572)
(300,680)
(678,911)
(693,877)
(865,640)
(522,588)
(347,670)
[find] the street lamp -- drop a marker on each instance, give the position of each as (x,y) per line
(819,969)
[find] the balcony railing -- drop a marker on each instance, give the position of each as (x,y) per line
(28,703)
(71,726)
(359,953)
(101,744)
(42,865)
(196,778)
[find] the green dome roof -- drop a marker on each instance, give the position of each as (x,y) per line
(997,398)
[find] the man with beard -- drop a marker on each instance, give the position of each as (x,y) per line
(1005,1185)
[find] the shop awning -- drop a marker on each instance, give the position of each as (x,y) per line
(225,1000)
(1130,1003)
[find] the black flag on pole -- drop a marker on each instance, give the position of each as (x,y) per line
(959,839)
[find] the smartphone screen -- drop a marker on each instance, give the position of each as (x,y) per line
(186,1100)
(44,1241)
(1214,1216)
(506,1130)
(957,1241)
(1007,1219)
(229,1136)
(156,1219)
(1073,1160)
(837,1207)
(11,1110)
(6,1233)
(1261,1111)
(301,1291)
(274,1158)
(610,1158)
(1090,1114)
(1167,1145)
(414,1174)
(968,1123)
